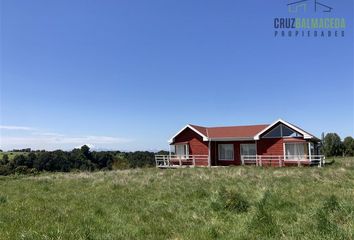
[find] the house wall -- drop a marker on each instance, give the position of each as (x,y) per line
(274,146)
(237,153)
(265,146)
(196,144)
(270,146)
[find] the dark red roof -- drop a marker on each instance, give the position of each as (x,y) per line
(231,132)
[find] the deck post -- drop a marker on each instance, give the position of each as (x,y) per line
(193,161)
(180,161)
(260,161)
(242,160)
(209,158)
(279,161)
(310,154)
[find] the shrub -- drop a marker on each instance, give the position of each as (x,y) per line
(4,160)
(3,199)
(21,170)
(5,170)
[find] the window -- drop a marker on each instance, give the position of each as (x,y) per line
(248,149)
(281,131)
(274,133)
(288,132)
(182,150)
(295,150)
(226,152)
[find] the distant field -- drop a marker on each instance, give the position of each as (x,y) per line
(201,203)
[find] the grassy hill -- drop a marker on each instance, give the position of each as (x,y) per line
(201,203)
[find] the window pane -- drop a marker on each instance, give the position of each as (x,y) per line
(282,131)
(275,133)
(287,132)
(180,150)
(252,149)
(248,149)
(226,152)
(295,150)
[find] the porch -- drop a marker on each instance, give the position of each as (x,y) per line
(282,161)
(182,161)
(178,161)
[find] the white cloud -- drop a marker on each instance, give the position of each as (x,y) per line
(51,141)
(6,127)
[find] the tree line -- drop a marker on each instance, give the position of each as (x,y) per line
(334,146)
(81,159)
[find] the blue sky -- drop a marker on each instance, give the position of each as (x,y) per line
(127,75)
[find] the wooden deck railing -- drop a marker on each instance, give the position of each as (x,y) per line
(174,161)
(280,160)
(167,161)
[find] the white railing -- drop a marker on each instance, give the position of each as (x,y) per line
(180,160)
(280,160)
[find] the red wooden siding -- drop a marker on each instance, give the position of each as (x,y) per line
(270,146)
(237,153)
(196,144)
(264,146)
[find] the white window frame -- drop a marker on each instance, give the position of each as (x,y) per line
(185,150)
(247,144)
(233,152)
(286,156)
(281,132)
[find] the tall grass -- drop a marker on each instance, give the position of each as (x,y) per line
(200,203)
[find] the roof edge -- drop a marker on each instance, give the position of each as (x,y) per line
(305,134)
(205,138)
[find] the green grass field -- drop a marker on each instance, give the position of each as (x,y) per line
(200,203)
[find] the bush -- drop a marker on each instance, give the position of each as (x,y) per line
(5,170)
(3,199)
(4,160)
(22,170)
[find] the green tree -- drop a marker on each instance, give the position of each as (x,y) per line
(20,160)
(31,158)
(86,151)
(348,145)
(332,145)
(4,160)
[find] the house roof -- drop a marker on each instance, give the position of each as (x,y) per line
(231,132)
(249,132)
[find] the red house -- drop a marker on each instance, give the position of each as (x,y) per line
(276,144)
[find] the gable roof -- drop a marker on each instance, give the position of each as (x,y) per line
(299,130)
(224,133)
(198,129)
(250,132)
(236,132)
